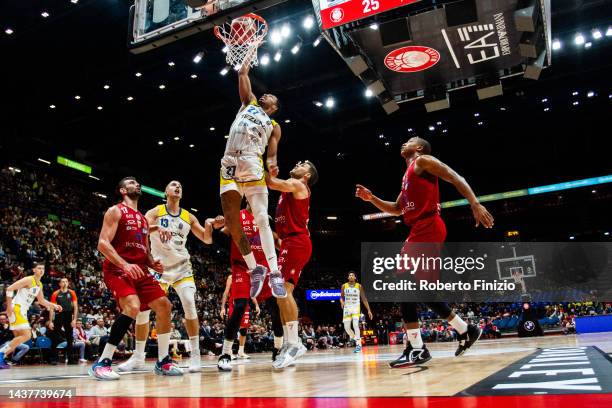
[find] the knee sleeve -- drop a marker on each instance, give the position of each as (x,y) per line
(187,295)
(441,309)
(277,325)
(233,323)
(143,317)
(409,312)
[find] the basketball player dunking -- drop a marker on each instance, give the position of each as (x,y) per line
(242,173)
(169,227)
(292,213)
(351,296)
(419,204)
(124,243)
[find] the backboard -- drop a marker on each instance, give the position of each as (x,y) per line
(521,264)
(154,23)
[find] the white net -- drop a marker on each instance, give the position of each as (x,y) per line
(242,36)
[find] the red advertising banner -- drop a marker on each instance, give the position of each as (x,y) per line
(338,12)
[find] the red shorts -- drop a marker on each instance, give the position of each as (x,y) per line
(428,230)
(295,253)
(121,285)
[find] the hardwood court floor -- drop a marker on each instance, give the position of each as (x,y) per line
(332,373)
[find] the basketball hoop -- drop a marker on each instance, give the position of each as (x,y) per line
(242,36)
(517,275)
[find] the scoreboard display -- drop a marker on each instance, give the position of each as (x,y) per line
(337,12)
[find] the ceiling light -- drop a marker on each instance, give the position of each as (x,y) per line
(44,161)
(198,57)
(77,97)
(9,31)
(212,129)
(295,49)
(265,59)
(130,98)
(138,74)
(579,39)
(162,86)
(277,56)
(374,26)
(275,37)
(588,45)
(480,123)
(226,136)
(194,209)
(502,109)
(609,32)
(319,104)
(308,22)
(52,106)
(369,93)
(556,45)
(44,14)
(444,130)
(171,63)
(590,94)
(410,129)
(224,71)
(572,237)
(108,86)
(96,178)
(576,103)
(285,31)
(287,120)
(575,93)
(160,142)
(596,34)
(177,138)
(332,217)
(329,103)
(544,100)
(476,115)
(438,123)
(381,136)
(432,128)
(193,76)
(75,2)
(191,145)
(100,108)
(224,49)
(317,41)
(546,109)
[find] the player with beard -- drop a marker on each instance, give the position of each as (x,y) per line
(419,205)
(169,226)
(124,242)
(292,213)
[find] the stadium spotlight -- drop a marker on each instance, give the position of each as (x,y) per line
(275,37)
(265,59)
(277,56)
(285,31)
(609,32)
(596,34)
(296,48)
(369,93)
(579,39)
(329,103)
(308,22)
(317,41)
(556,45)
(198,57)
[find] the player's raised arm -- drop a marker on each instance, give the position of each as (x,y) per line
(390,207)
(272,152)
(244,83)
(287,186)
(107,234)
(204,233)
(435,167)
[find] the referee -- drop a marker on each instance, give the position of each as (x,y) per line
(65,319)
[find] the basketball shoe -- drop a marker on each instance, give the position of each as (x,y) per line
(135,362)
(168,367)
(467,339)
(411,357)
(101,370)
(258,276)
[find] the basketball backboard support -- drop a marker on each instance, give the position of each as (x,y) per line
(154,23)
(428,48)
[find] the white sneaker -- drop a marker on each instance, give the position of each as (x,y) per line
(224,363)
(292,353)
(243,356)
(82,360)
(195,364)
(136,362)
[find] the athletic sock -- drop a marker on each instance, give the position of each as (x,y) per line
(163,344)
(195,345)
(459,324)
(250,261)
(240,349)
(292,332)
(285,334)
(278,342)
(414,337)
(108,352)
(140,347)
(227,347)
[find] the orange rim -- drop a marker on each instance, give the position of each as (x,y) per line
(249,15)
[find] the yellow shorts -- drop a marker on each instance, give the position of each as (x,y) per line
(244,174)
(187,281)
(19,320)
(349,313)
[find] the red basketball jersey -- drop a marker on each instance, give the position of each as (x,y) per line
(420,196)
(252,233)
(131,239)
(292,215)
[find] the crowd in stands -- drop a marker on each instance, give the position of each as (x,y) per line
(42,217)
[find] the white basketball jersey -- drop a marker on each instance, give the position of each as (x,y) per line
(173,251)
(250,132)
(26,296)
(352,295)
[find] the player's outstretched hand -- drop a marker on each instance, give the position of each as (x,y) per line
(133,271)
(363,193)
(482,216)
(165,235)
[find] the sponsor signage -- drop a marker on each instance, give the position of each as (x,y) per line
(338,12)
(323,294)
(74,165)
(152,191)
(558,370)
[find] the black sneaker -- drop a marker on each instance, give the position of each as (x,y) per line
(468,338)
(411,357)
(275,353)
(225,362)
